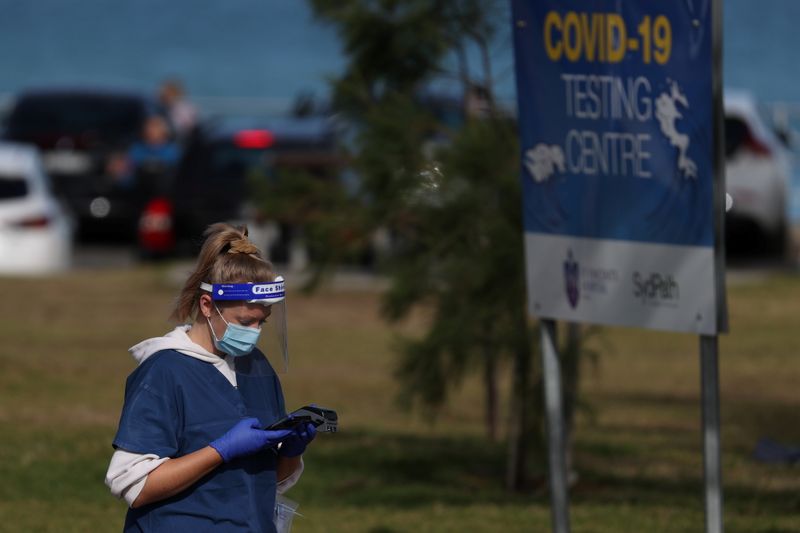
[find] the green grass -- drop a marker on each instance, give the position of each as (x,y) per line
(63,364)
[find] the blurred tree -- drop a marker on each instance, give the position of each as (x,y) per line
(461,255)
(447,194)
(331,222)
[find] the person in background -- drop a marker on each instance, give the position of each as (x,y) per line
(181,112)
(156,147)
(191,453)
(149,162)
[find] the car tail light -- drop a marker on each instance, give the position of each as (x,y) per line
(739,137)
(156,232)
(254,139)
(755,146)
(34,222)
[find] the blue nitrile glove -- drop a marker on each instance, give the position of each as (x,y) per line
(295,444)
(247,437)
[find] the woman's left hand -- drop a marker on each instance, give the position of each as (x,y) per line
(295,444)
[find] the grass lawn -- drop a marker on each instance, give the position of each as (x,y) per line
(638,454)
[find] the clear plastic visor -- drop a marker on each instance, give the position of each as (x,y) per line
(269,305)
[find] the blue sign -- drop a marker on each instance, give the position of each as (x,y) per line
(615,113)
(616,118)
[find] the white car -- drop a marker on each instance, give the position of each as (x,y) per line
(35,232)
(757,174)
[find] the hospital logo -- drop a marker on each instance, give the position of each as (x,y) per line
(572,280)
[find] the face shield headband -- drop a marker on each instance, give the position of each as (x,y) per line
(271,294)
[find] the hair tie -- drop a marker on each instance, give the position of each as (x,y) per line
(242,246)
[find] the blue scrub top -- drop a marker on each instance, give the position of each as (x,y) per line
(176,404)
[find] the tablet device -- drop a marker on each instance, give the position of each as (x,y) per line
(325,420)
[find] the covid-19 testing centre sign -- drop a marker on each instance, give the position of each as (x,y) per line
(616,114)
(620,120)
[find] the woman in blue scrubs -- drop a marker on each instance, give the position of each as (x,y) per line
(190,451)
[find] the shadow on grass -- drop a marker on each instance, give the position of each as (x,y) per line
(676,420)
(598,487)
(648,463)
(375,469)
(750,417)
(364,469)
(399,471)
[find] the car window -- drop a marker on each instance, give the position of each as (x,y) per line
(219,163)
(12,186)
(230,162)
(113,119)
(736,133)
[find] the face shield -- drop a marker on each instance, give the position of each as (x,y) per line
(272,295)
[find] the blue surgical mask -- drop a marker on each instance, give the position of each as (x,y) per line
(237,340)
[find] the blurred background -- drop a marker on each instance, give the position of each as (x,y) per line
(371,150)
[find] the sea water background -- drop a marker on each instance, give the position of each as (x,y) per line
(274,49)
(263,53)
(269,49)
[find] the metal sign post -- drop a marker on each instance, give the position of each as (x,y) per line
(712,471)
(555,429)
(709,344)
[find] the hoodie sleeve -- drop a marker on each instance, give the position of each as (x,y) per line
(128,473)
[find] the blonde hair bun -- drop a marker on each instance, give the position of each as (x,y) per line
(242,246)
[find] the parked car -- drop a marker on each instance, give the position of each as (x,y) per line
(757,174)
(79,131)
(35,231)
(212,184)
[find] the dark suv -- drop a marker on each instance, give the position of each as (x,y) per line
(214,180)
(78,130)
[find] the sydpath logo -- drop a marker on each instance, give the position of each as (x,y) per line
(656,288)
(572,275)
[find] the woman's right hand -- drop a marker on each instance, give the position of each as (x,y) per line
(246,438)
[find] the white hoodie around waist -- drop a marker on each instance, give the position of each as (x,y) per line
(128,471)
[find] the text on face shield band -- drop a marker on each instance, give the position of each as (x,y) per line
(267,292)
